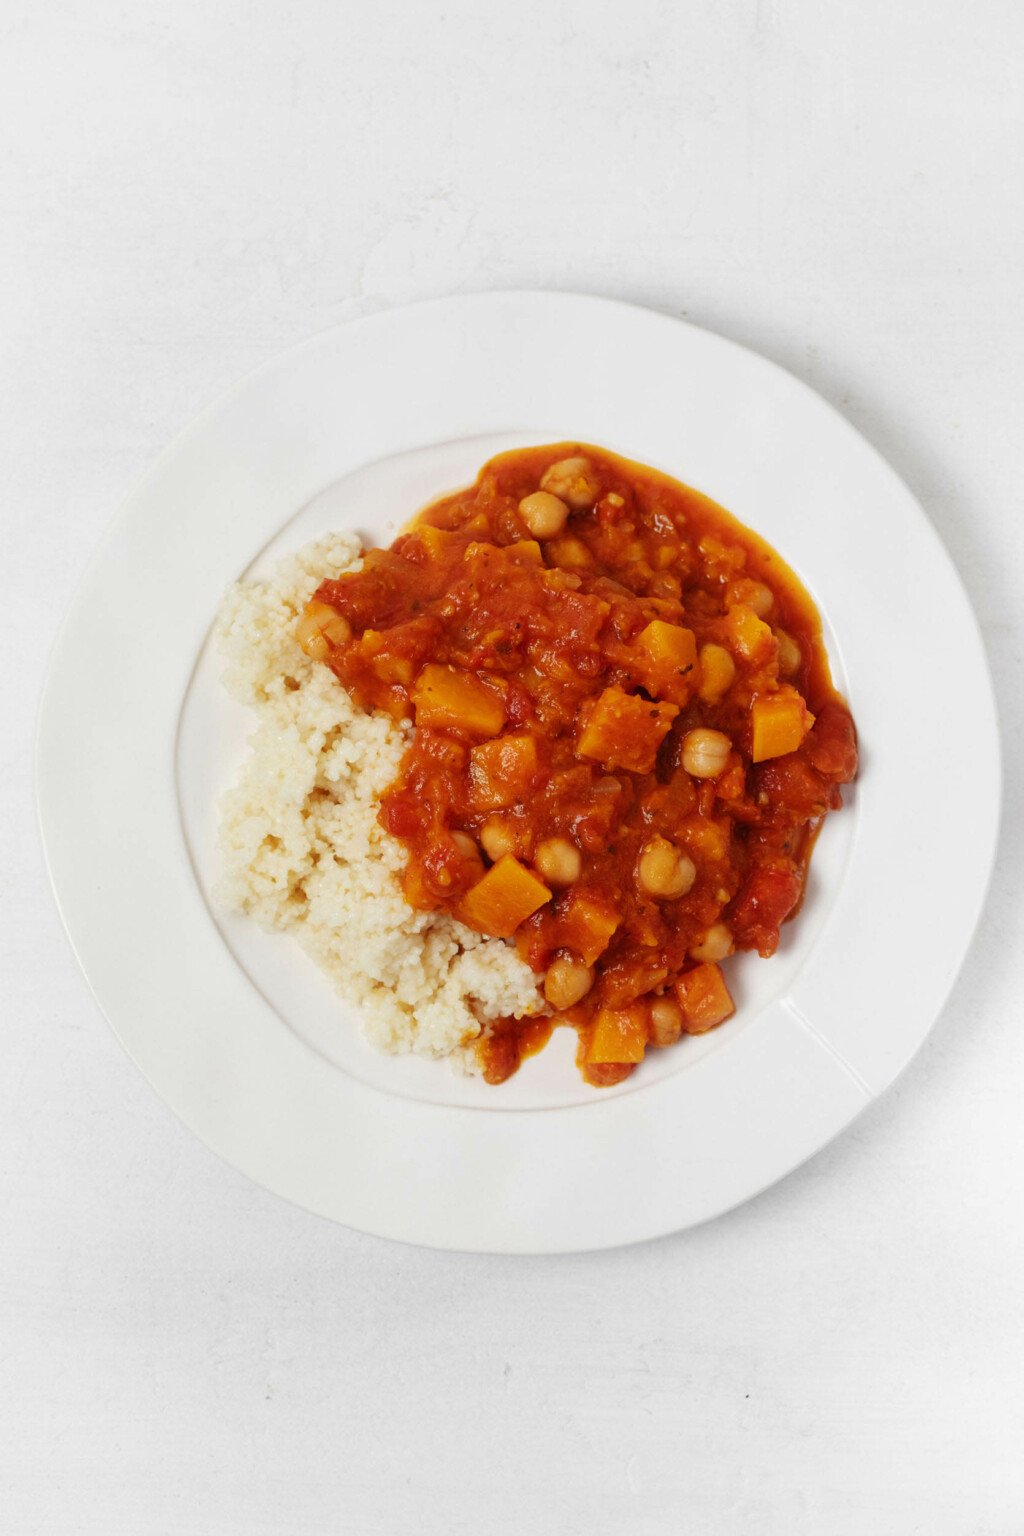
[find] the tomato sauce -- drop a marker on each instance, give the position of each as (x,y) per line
(626,740)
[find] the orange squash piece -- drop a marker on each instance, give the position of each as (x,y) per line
(622,730)
(503,899)
(619,1036)
(665,660)
(446,699)
(502,771)
(704,998)
(752,637)
(586,925)
(780,722)
(668,644)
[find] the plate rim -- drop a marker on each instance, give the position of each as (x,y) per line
(294,357)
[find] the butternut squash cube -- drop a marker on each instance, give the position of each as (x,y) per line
(621,730)
(504,898)
(668,644)
(569,553)
(526,552)
(665,660)
(619,1035)
(780,722)
(586,925)
(502,771)
(752,637)
(446,699)
(704,998)
(393,669)
(435,540)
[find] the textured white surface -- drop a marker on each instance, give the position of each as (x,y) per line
(185,189)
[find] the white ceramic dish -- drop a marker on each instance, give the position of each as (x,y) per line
(243,1037)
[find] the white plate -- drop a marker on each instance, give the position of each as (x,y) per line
(238,1031)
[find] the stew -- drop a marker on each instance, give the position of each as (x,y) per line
(626,736)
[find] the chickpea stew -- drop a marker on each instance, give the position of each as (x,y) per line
(626,737)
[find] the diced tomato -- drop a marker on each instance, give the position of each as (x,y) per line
(832,744)
(765,900)
(792,787)
(402,815)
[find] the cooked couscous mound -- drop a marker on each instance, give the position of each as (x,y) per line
(302,847)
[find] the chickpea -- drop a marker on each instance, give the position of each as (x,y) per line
(717,671)
(314,643)
(607,786)
(754,595)
(573,480)
(497,838)
(557,861)
(666,1021)
(545,515)
(320,627)
(705,753)
(567,981)
(467,846)
(715,945)
(790,655)
(760,598)
(664,870)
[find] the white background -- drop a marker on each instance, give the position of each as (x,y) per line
(185,189)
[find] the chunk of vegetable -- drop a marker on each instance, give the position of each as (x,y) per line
(446,699)
(586,925)
(665,660)
(435,540)
(502,771)
(606,1074)
(621,730)
(524,552)
(833,744)
(619,1035)
(752,637)
(704,999)
(504,898)
(780,722)
(764,901)
(569,553)
(671,644)
(388,667)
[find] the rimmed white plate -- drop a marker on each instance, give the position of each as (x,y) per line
(241,1035)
